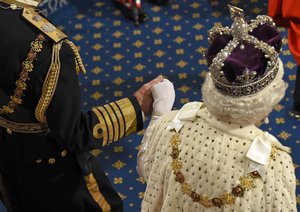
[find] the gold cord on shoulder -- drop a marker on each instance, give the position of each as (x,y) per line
(27,67)
(78,60)
(247,181)
(49,85)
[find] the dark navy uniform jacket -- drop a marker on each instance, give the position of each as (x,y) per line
(45,138)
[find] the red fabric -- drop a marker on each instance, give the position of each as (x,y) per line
(286,13)
(294,40)
(129,3)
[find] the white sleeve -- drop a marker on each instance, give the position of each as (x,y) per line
(144,161)
(281,184)
(164,96)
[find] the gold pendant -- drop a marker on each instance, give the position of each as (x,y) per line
(13,6)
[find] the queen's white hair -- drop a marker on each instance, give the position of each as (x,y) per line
(244,110)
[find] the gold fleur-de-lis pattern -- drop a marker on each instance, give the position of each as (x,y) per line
(119,57)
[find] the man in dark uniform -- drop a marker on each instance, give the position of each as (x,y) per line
(45,139)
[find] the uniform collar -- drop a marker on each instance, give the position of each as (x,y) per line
(22,3)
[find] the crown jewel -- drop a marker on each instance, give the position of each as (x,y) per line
(243,58)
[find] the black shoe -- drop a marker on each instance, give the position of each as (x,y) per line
(160,2)
(295,114)
(296,111)
(135,13)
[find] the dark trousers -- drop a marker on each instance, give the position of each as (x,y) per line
(297,91)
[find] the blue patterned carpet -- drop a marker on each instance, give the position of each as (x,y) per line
(120,57)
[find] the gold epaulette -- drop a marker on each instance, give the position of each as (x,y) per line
(43,25)
(78,61)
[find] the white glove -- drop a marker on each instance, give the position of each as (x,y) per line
(164,96)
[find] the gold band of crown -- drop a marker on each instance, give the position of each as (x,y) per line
(248,89)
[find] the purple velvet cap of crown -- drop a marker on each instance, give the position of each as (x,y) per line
(248,57)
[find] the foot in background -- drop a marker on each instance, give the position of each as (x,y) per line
(132,10)
(296,107)
(296,111)
(160,2)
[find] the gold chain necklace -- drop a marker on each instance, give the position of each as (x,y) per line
(247,181)
(27,67)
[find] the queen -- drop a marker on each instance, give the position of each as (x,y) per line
(210,155)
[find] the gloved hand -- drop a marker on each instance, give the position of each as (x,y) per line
(144,97)
(164,96)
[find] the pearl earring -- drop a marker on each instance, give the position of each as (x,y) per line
(266,120)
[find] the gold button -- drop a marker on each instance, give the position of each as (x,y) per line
(39,161)
(51,161)
(64,153)
(9,131)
